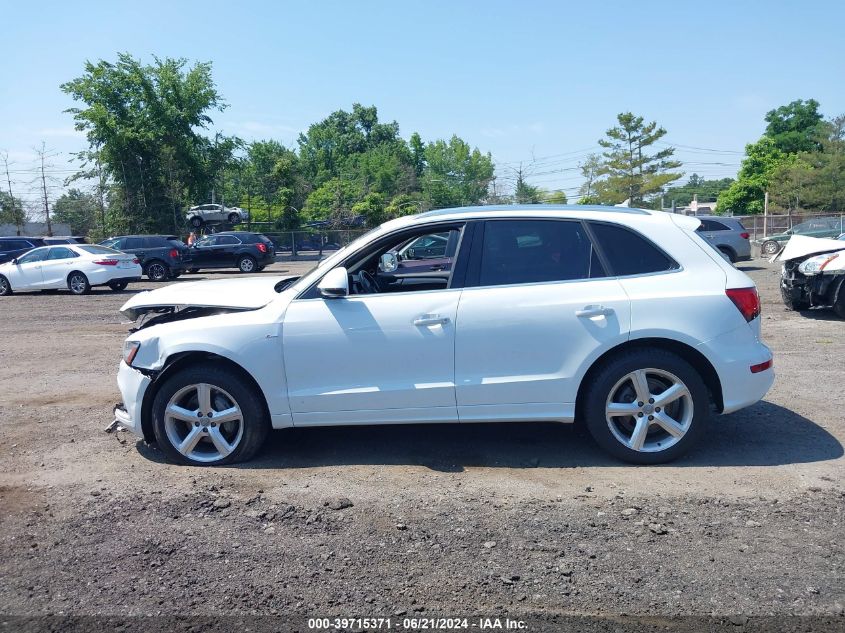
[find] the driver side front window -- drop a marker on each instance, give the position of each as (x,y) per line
(422,261)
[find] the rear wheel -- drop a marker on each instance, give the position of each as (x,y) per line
(196,221)
(5,287)
(157,271)
(646,406)
(246,264)
(728,253)
(234,218)
(769,247)
(117,286)
(78,284)
(206,415)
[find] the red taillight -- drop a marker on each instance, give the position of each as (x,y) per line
(262,247)
(746,300)
(106,262)
(756,369)
(136,261)
(174,254)
(745,236)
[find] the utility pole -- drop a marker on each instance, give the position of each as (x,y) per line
(11,197)
(766,214)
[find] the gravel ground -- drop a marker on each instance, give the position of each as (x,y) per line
(526,521)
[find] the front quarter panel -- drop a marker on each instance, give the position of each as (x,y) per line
(249,339)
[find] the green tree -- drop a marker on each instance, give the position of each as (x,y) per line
(591,170)
(629,171)
(144,122)
(555,197)
(372,207)
(332,201)
(796,127)
(746,194)
(12,211)
(78,209)
(523,192)
(705,190)
(455,174)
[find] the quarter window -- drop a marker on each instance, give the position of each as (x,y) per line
(628,252)
(520,251)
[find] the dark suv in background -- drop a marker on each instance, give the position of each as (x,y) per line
(248,252)
(162,256)
(11,247)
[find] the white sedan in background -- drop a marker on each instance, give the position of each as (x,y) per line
(76,267)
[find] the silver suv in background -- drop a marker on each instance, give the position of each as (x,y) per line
(202,213)
(727,235)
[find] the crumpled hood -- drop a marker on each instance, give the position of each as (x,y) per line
(800,246)
(236,294)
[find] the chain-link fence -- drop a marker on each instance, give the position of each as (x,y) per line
(812,224)
(311,243)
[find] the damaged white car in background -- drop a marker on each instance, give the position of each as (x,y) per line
(813,273)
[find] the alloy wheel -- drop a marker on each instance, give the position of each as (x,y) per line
(157,272)
(649,410)
(203,422)
(78,283)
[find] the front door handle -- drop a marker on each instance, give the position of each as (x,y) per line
(593,311)
(430,319)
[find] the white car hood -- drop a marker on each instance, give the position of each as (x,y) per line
(237,294)
(801,246)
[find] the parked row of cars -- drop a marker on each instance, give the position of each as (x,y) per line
(56,263)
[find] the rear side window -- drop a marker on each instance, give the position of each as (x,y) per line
(628,252)
(532,251)
(154,242)
(227,240)
(133,242)
(14,245)
(712,225)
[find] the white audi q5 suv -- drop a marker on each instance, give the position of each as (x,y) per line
(623,318)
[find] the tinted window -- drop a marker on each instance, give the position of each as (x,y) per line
(114,243)
(628,252)
(227,240)
(33,256)
(207,241)
(14,245)
(133,242)
(529,251)
(712,225)
(60,252)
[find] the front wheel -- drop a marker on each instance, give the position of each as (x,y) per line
(78,284)
(196,222)
(791,302)
(770,247)
(5,287)
(646,406)
(246,264)
(234,218)
(207,415)
(117,286)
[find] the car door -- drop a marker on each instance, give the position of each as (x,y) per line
(202,252)
(56,266)
(26,274)
(537,307)
(372,358)
(225,251)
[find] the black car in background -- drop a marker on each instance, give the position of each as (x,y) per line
(162,256)
(64,239)
(248,252)
(11,247)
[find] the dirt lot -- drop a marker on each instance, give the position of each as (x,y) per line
(527,521)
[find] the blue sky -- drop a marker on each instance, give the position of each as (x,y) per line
(530,81)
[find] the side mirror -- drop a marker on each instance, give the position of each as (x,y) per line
(15,261)
(335,283)
(388,262)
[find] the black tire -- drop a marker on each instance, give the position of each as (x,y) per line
(193,270)
(157,271)
(175,274)
(606,381)
(839,303)
(234,218)
(729,252)
(78,284)
(117,286)
(791,302)
(5,287)
(769,248)
(196,222)
(247,264)
(255,424)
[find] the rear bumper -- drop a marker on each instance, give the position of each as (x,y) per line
(733,354)
(108,274)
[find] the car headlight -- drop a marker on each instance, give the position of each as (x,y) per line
(130,350)
(816,264)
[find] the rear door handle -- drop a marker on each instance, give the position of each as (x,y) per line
(593,311)
(430,319)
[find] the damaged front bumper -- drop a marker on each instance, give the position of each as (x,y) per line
(821,289)
(133,385)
